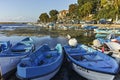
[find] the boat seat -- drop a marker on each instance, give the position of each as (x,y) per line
(84,58)
(49,60)
(50,56)
(78,58)
(51,53)
(25,62)
(39,60)
(82,54)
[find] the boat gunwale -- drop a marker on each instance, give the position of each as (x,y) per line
(45,65)
(39,75)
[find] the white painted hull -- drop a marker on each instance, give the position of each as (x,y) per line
(92,75)
(47,77)
(115,54)
(8,64)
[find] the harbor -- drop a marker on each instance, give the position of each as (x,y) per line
(60,40)
(66,72)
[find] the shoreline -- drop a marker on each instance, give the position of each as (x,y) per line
(99,25)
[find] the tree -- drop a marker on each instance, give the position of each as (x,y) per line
(73,10)
(86,9)
(116,4)
(82,2)
(44,17)
(106,12)
(53,15)
(103,3)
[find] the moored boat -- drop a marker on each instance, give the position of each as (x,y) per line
(90,63)
(110,45)
(43,64)
(106,30)
(100,35)
(10,58)
(88,27)
(110,48)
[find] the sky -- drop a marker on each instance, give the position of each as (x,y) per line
(29,10)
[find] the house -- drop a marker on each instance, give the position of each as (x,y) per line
(62,14)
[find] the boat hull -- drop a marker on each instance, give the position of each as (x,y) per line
(7,64)
(91,75)
(47,77)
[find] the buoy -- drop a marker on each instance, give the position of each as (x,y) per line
(72,42)
(96,43)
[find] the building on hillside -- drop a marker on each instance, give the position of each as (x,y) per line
(62,14)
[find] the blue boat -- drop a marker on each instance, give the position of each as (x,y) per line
(4,46)
(103,38)
(24,45)
(9,59)
(100,35)
(107,30)
(90,63)
(43,64)
(88,27)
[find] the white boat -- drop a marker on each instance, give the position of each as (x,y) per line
(113,47)
(110,47)
(92,75)
(9,59)
(90,63)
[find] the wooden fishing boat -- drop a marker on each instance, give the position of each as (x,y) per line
(90,63)
(43,64)
(9,59)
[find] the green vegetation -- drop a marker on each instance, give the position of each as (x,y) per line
(87,9)
(53,15)
(73,11)
(44,17)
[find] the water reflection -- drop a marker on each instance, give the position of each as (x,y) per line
(65,73)
(51,41)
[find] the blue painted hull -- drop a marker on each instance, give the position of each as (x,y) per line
(10,58)
(91,59)
(41,63)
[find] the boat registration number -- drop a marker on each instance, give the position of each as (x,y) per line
(83,69)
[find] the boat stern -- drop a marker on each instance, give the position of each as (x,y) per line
(21,73)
